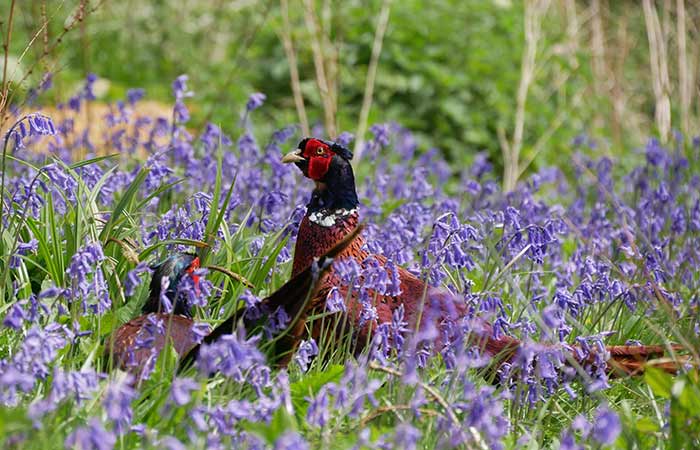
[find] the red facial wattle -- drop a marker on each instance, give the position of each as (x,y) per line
(195,278)
(319,155)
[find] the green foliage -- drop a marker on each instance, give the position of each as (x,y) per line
(683,394)
(449,70)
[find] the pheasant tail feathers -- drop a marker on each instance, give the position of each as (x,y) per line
(293,296)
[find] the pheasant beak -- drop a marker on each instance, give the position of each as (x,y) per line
(293,157)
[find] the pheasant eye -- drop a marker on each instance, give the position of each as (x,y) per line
(319,151)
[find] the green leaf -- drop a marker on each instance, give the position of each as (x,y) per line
(124,203)
(311,384)
(646,425)
(87,162)
(659,382)
(13,420)
(281,422)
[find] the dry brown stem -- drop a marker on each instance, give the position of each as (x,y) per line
(288,44)
(382,24)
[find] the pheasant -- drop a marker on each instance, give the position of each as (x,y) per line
(138,342)
(292,297)
(332,214)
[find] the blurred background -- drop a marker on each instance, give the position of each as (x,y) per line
(520,80)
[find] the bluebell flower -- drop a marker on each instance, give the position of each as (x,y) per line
(23,248)
(94,436)
(607,426)
(255,101)
(117,403)
(134,95)
(335,301)
(181,389)
(291,440)
(481,165)
(305,352)
(278,321)
(34,124)
(381,134)
(170,443)
(134,278)
(233,356)
(77,385)
(200,330)
(15,317)
(406,436)
(318,413)
(345,138)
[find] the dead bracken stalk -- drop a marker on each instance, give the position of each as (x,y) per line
(382,24)
(288,44)
(323,64)
(598,57)
(658,62)
(684,75)
(535,10)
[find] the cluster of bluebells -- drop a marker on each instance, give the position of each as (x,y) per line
(87,281)
(536,263)
(602,430)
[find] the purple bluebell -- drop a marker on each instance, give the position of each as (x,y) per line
(200,330)
(134,95)
(335,301)
(15,317)
(170,443)
(255,101)
(305,353)
(117,403)
(93,436)
(181,390)
(291,440)
(134,277)
(79,386)
(235,357)
(606,427)
(318,414)
(34,124)
(406,436)
(277,321)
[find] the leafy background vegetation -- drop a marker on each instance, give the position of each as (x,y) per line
(448,70)
(452,73)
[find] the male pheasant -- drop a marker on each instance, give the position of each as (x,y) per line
(293,297)
(333,213)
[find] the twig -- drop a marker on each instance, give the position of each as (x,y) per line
(382,24)
(6,50)
(240,278)
(392,408)
(45,27)
(288,44)
(66,29)
(438,398)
